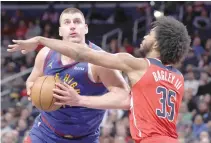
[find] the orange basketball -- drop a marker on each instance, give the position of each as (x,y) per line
(42,93)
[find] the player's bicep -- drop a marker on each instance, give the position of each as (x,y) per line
(116,84)
(121,61)
(112,78)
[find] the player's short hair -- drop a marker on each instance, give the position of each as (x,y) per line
(173,39)
(70,10)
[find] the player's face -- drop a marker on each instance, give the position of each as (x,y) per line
(73,27)
(148,42)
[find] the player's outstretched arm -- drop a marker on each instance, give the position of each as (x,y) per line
(121,61)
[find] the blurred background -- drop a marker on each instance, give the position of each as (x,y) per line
(116,27)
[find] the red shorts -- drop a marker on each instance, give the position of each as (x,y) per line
(158,139)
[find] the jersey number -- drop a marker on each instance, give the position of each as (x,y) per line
(166,100)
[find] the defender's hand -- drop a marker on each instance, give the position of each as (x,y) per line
(24,46)
(66,95)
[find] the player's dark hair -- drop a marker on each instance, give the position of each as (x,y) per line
(173,39)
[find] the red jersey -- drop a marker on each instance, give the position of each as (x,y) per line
(155,102)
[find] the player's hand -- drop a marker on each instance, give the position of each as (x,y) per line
(28,89)
(66,95)
(24,46)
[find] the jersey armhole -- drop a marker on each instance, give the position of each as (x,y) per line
(46,59)
(90,74)
(147,61)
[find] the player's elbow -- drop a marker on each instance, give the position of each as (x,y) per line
(126,104)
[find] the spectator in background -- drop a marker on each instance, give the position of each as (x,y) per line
(204,78)
(203,110)
(185,115)
(7,123)
(121,132)
(22,128)
(204,60)
(205,82)
(128,47)
(202,21)
(192,83)
(106,134)
(47,31)
(50,15)
(207,100)
(10,70)
(209,128)
(208,47)
(198,7)
(10,137)
(22,29)
(4,45)
(119,139)
(188,17)
(204,137)
(33,30)
(191,59)
(18,83)
(183,129)
(197,47)
(7,29)
(113,46)
(19,15)
(4,17)
(190,100)
(198,126)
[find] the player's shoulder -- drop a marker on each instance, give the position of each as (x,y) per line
(45,50)
(94,46)
(100,69)
(43,53)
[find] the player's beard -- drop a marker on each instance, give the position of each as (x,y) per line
(145,49)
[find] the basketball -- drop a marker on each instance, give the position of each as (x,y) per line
(42,93)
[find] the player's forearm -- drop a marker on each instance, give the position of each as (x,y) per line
(118,99)
(69,49)
(34,75)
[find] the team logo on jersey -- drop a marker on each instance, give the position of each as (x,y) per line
(39,124)
(50,64)
(70,81)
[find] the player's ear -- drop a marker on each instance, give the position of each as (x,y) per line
(153,39)
(60,33)
(155,45)
(86,29)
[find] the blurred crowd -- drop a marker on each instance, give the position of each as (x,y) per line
(194,121)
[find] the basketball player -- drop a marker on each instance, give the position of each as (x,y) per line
(156,86)
(73,124)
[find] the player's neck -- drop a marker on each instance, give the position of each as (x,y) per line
(79,42)
(66,60)
(153,54)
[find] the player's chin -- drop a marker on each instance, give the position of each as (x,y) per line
(75,39)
